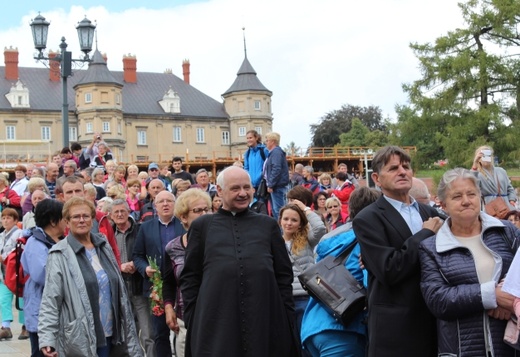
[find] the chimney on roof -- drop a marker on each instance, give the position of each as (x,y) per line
(11,63)
(129,69)
(54,68)
(186,71)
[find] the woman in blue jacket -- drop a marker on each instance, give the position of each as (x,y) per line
(49,229)
(321,334)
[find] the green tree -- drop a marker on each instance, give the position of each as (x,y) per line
(469,92)
(333,124)
(356,135)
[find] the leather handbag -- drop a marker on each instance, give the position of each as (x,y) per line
(329,282)
(262,189)
(498,207)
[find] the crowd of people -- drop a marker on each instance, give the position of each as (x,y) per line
(102,238)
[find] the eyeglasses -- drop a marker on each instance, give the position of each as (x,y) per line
(136,186)
(154,169)
(79,217)
(334,206)
(200,210)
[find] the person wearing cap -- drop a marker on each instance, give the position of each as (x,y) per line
(202,179)
(153,173)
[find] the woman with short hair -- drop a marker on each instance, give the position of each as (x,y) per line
(84,290)
(462,268)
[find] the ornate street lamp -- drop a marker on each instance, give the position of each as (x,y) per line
(40,30)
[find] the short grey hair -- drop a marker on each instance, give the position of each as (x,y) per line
(309,169)
(119,201)
(452,175)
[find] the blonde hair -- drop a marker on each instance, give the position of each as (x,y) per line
(185,199)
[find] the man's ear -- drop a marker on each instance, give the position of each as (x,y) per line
(375,178)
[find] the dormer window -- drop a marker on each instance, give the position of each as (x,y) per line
(18,96)
(171,102)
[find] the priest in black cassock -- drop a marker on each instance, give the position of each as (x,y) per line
(237,278)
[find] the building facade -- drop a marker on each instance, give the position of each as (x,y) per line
(142,116)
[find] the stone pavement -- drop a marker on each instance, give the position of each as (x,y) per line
(15,347)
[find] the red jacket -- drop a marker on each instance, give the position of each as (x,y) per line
(12,196)
(344,195)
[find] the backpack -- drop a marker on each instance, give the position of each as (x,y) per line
(15,277)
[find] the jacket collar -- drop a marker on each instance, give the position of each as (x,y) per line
(77,247)
(446,241)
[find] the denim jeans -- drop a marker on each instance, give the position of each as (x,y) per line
(161,336)
(278,199)
(35,347)
(105,350)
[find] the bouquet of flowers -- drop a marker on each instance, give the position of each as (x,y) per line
(157,303)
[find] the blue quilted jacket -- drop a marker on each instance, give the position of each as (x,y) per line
(452,291)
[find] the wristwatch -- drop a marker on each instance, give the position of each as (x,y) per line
(306,209)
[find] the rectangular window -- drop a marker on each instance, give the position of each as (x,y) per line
(20,100)
(241,131)
(258,129)
(104,97)
(119,127)
(225,138)
(141,137)
(88,97)
(118,98)
(106,127)
(177,134)
(257,105)
(10,132)
(200,135)
(46,133)
(73,134)
(90,129)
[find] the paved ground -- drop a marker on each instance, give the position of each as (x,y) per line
(14,347)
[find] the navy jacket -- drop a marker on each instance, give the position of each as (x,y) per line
(276,168)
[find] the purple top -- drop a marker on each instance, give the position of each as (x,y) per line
(176,252)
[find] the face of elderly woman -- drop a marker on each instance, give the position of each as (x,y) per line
(462,201)
(80,220)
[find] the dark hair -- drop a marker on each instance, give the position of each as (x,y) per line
(317,195)
(360,198)
(257,136)
(176,158)
(48,211)
(341,176)
(300,193)
(75,146)
(65,150)
(383,155)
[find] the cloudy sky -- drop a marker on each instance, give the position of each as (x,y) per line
(313,55)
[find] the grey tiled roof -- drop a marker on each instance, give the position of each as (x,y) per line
(98,72)
(141,98)
(246,80)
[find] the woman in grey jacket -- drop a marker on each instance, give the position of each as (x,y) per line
(85,309)
(300,242)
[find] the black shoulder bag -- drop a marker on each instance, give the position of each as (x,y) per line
(329,282)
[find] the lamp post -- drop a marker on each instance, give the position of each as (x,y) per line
(365,153)
(40,29)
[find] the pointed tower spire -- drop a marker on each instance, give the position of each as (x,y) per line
(245,48)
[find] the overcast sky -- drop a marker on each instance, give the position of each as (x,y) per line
(313,55)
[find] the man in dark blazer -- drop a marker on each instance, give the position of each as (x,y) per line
(389,232)
(151,240)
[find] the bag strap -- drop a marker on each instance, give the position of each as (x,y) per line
(342,256)
(498,183)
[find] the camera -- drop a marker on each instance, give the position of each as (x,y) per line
(486,155)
